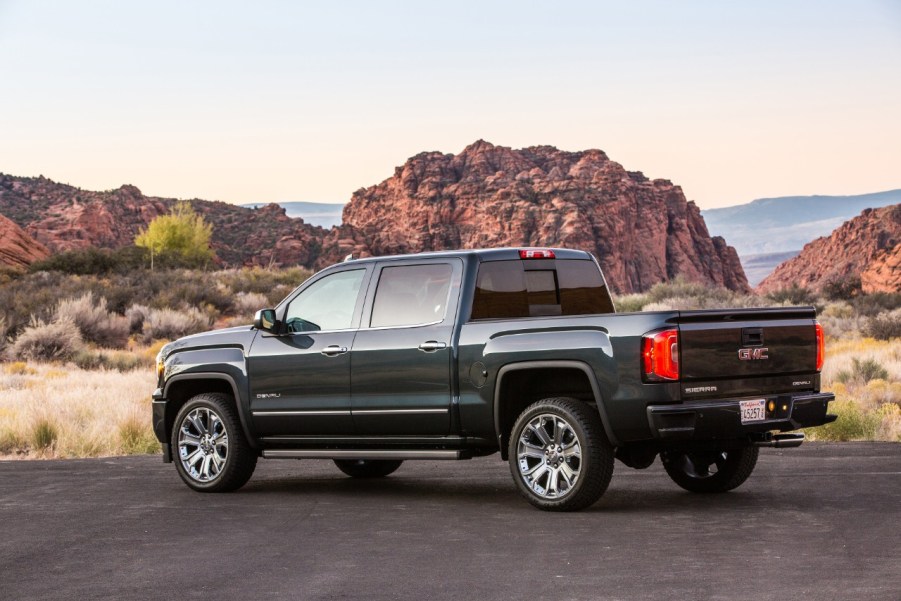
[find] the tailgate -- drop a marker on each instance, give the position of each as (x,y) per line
(747,343)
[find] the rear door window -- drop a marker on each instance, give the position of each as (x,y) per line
(511,289)
(410,295)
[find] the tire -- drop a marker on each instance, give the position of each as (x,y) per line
(710,471)
(209,449)
(367,468)
(576,471)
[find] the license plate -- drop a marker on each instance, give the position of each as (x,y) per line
(753,411)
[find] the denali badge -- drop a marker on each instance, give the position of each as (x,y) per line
(270,395)
(753,354)
(801,383)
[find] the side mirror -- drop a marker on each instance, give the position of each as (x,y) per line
(265,320)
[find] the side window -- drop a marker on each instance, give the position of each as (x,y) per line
(326,305)
(500,291)
(582,289)
(410,295)
(506,290)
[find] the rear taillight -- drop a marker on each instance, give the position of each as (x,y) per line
(821,346)
(660,355)
(536,253)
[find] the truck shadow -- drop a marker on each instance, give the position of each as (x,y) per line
(463,492)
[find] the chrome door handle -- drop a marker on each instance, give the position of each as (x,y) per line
(334,350)
(431,345)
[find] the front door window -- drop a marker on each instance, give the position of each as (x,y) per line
(327,304)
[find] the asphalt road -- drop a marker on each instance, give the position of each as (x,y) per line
(819,522)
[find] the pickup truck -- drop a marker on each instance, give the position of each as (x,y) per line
(461,354)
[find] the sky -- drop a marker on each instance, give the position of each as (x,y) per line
(296,101)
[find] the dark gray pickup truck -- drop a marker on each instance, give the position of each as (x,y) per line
(454,355)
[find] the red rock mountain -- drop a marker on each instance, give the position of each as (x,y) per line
(64,218)
(18,249)
(642,231)
(866,247)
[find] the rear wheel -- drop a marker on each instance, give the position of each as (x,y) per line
(367,468)
(559,455)
(210,450)
(710,471)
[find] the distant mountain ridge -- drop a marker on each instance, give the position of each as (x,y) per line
(787,223)
(323,214)
(866,249)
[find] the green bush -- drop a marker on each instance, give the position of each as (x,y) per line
(91,260)
(44,434)
(853,423)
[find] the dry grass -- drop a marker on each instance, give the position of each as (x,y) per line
(49,412)
(869,408)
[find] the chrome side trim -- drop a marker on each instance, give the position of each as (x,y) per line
(309,412)
(398,411)
(360,454)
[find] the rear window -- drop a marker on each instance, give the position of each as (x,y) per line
(539,288)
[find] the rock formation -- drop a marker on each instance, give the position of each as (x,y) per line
(642,231)
(867,247)
(65,218)
(17,249)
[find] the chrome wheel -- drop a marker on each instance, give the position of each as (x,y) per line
(550,456)
(202,444)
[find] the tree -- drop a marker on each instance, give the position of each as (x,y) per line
(181,237)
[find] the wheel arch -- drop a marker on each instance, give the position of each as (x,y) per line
(514,378)
(181,387)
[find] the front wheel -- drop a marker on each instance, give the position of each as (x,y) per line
(710,471)
(367,468)
(210,450)
(559,455)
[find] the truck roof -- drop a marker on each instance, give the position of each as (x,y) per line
(486,254)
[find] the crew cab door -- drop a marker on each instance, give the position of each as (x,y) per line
(402,354)
(300,380)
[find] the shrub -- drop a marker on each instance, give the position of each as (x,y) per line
(884,326)
(117,360)
(93,260)
(44,434)
(136,316)
(853,423)
(795,295)
(862,370)
(248,303)
(92,319)
(842,289)
(876,303)
(169,324)
(41,341)
(630,303)
(19,368)
(136,436)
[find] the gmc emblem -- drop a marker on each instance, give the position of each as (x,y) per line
(753,354)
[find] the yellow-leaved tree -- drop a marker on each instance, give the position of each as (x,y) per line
(180,237)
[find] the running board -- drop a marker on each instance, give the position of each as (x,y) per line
(362,454)
(781,441)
